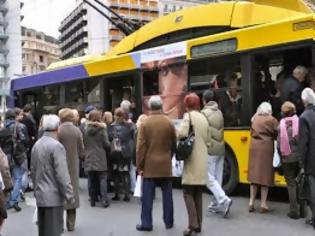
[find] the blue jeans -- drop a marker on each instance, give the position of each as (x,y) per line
(17,177)
(148,191)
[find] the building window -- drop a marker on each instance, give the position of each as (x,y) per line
(165,8)
(41,58)
(24,69)
(174,8)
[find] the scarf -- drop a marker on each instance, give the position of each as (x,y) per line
(284,138)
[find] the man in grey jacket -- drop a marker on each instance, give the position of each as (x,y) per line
(52,185)
(220,202)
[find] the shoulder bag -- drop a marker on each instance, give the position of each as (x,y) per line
(185,145)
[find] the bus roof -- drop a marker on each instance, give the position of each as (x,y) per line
(233,14)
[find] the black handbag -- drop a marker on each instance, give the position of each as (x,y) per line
(185,145)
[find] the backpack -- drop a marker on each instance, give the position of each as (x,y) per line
(115,146)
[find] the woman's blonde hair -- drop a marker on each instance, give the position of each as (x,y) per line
(288,108)
(66,115)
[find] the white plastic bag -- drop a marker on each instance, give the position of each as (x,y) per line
(34,219)
(177,167)
(138,188)
(276,157)
(2,187)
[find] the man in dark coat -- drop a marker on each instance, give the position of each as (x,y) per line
(292,88)
(307,147)
(30,123)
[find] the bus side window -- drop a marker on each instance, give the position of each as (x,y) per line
(223,76)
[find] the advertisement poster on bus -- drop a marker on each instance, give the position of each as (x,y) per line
(169,70)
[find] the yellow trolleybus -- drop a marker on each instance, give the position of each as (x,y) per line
(242,50)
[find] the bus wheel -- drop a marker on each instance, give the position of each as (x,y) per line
(230,172)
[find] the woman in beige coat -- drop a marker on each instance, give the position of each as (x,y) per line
(260,169)
(71,138)
(195,167)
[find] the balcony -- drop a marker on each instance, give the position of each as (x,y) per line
(116,37)
(3,9)
(3,36)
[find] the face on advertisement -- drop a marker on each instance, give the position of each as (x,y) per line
(172,85)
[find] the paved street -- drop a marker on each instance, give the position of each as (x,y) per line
(120,219)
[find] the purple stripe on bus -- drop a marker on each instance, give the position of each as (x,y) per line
(50,77)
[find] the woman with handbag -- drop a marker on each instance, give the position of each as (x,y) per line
(195,165)
(121,136)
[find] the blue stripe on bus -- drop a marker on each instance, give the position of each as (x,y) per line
(50,77)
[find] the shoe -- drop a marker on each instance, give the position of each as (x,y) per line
(190,231)
(264,210)
(105,204)
(213,208)
(16,207)
(116,198)
(126,199)
(251,208)
(141,228)
(310,222)
(22,196)
(293,215)
(70,229)
(92,203)
(169,226)
(227,206)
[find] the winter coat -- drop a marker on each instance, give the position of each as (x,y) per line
(49,171)
(291,90)
(195,166)
(307,140)
(216,123)
(263,133)
(7,180)
(96,143)
(231,110)
(156,143)
(71,138)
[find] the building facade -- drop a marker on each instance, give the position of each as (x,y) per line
(10,46)
(38,51)
(85,31)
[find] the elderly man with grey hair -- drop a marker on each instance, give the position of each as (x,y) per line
(307,147)
(292,88)
(52,185)
(155,146)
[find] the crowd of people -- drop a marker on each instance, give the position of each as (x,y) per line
(114,150)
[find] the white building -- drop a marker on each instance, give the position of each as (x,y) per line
(85,31)
(10,45)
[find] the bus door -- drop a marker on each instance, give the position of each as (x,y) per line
(271,68)
(120,88)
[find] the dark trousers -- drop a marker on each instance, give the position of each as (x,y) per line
(97,184)
(50,221)
(291,171)
(193,201)
(71,216)
(311,193)
(148,193)
(122,182)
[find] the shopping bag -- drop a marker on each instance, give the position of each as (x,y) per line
(276,157)
(2,187)
(34,219)
(138,188)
